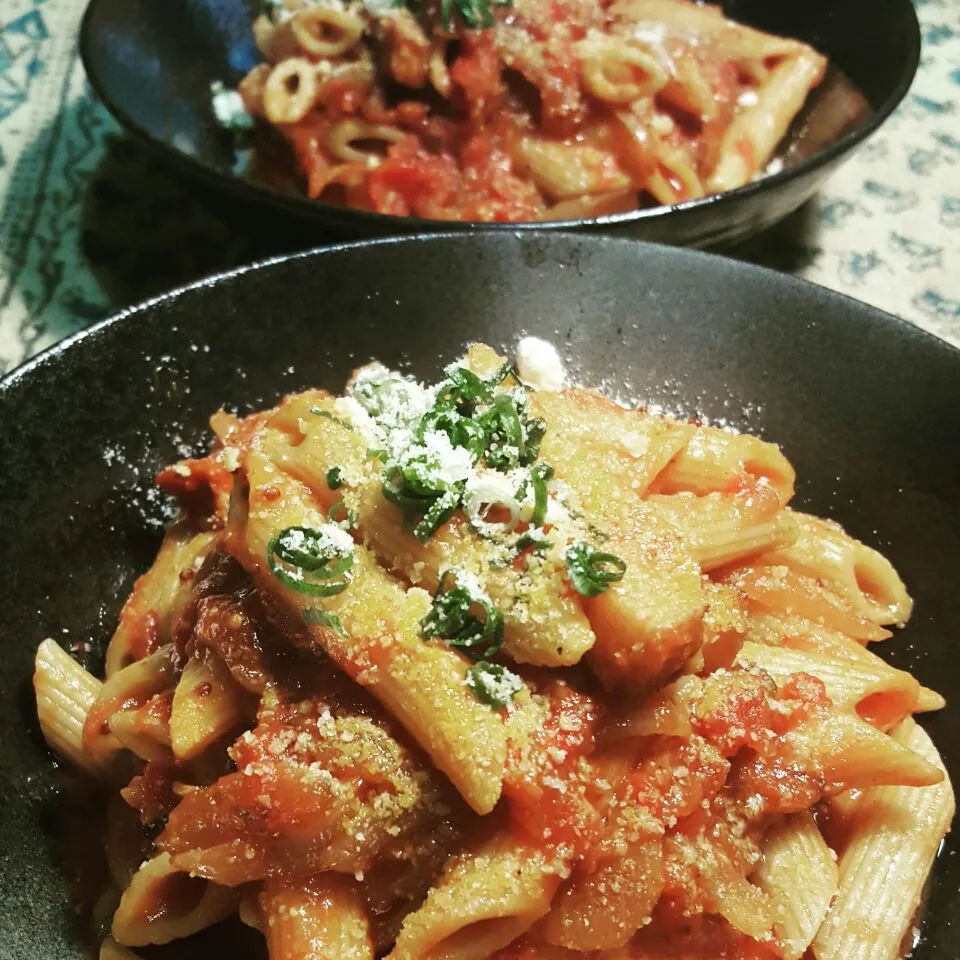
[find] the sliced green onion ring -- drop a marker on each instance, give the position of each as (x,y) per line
(313,562)
(592,571)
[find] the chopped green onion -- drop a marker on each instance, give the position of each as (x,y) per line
(439,512)
(533,433)
(591,571)
(453,620)
(334,478)
(493,684)
(321,618)
(462,387)
(350,516)
(314,562)
(326,414)
(539,475)
(511,439)
(462,431)
(530,539)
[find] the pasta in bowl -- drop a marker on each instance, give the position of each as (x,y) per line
(519,111)
(500,668)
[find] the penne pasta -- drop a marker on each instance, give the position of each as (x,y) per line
(111,950)
(128,689)
(893,840)
(850,754)
(714,461)
(163,904)
(65,694)
(861,575)
(725,530)
(799,873)
(867,686)
(752,137)
(484,900)
(650,622)
(158,597)
(541,626)
(601,909)
(207,705)
(320,919)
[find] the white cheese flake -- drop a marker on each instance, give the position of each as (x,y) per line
(539,364)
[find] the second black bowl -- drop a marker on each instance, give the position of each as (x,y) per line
(152,62)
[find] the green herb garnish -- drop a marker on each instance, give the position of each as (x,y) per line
(327,415)
(511,439)
(334,478)
(592,571)
(349,519)
(493,684)
(416,486)
(455,619)
(322,618)
(530,538)
(463,388)
(539,475)
(314,562)
(461,430)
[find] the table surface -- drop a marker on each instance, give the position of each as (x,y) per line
(90,222)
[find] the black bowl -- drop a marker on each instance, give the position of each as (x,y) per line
(866,407)
(152,62)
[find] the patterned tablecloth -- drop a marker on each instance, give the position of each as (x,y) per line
(90,222)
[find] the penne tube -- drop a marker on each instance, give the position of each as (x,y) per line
(609,455)
(894,837)
(145,731)
(323,918)
(723,530)
(724,629)
(326,32)
(65,694)
(378,642)
(603,908)
(735,40)
(249,911)
(799,873)
(752,137)
(485,898)
(651,621)
(162,904)
(158,597)
(875,691)
(566,171)
(817,614)
(207,705)
(850,754)
(714,461)
(861,575)
(928,700)
(128,689)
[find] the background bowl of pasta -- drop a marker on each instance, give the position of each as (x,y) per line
(662,120)
(866,410)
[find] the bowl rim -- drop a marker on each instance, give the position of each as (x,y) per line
(24,371)
(381,223)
